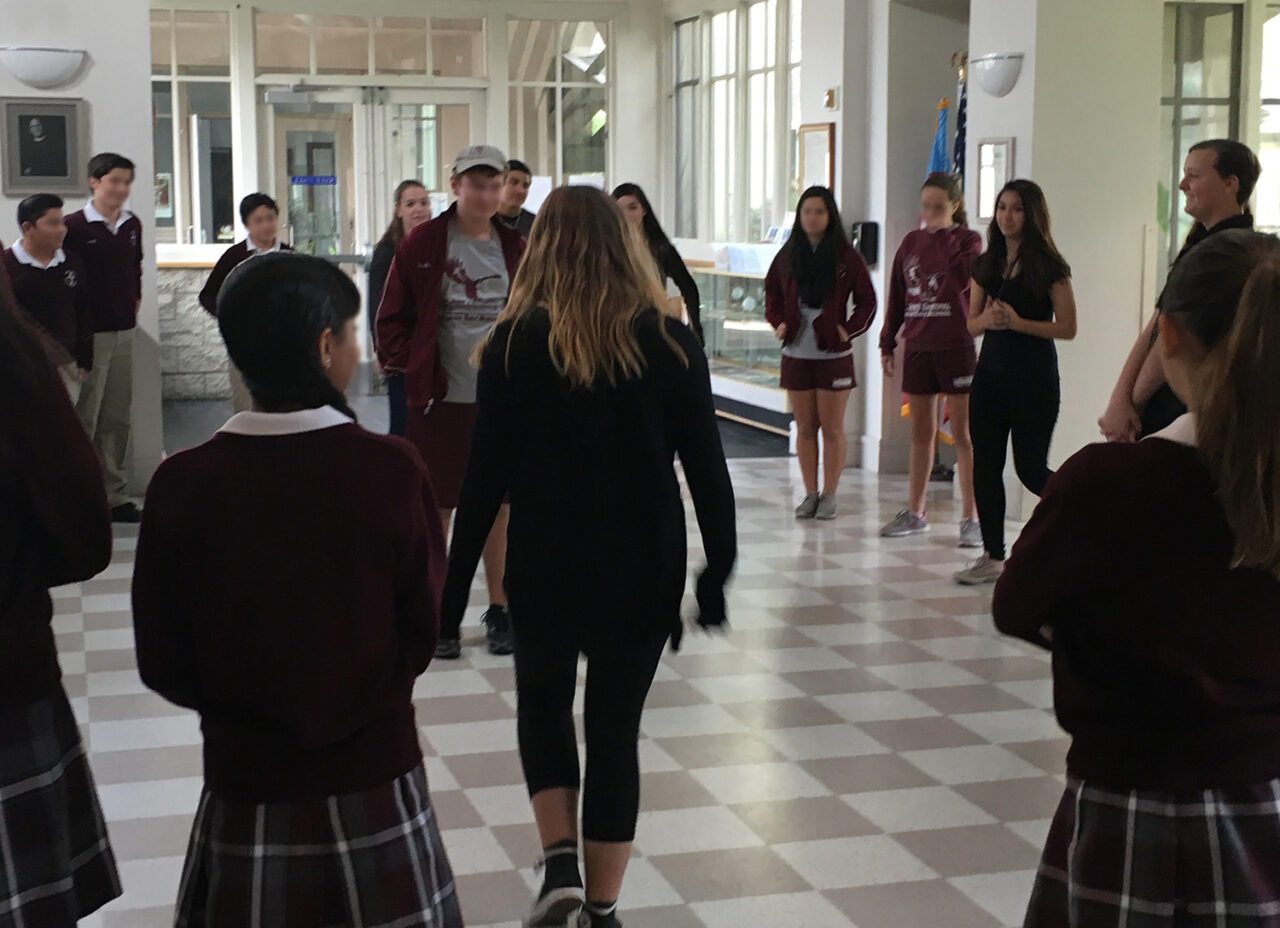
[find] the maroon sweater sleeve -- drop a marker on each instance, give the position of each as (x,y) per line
(84,317)
(63,480)
(164,639)
(775,293)
(897,306)
(397,312)
(420,581)
(218,276)
(1059,555)
(864,296)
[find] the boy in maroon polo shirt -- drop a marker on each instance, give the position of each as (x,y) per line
(50,286)
(108,239)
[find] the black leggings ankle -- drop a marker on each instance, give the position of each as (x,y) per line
(1023,405)
(622,659)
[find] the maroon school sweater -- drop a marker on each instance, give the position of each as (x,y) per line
(1166,661)
(56,297)
(55,527)
(232,258)
(929,290)
(287,587)
(113,262)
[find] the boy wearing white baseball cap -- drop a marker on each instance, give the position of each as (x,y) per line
(446,287)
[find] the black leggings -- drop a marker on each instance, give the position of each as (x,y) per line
(1026,407)
(621,662)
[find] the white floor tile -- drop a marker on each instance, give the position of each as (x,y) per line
(131,734)
(798,660)
(475,850)
(818,741)
(878,706)
(758,783)
(746,688)
(925,675)
(502,805)
(684,721)
(978,764)
(923,809)
(811,910)
(842,863)
(472,737)
(1004,895)
(153,799)
(682,831)
(1012,726)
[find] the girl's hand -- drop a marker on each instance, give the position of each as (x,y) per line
(993,317)
(842,332)
(888,365)
(781,331)
(1012,321)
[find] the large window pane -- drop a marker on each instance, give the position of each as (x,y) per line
(1206,49)
(1199,122)
(400,45)
(1267,197)
(162,139)
(533,128)
(686,103)
(762,30)
(724,43)
(532,50)
(283,44)
(686,51)
(457,48)
(1271,54)
(203,43)
(585,135)
(1169,68)
(760,145)
(797,9)
(724,149)
(342,44)
(585,53)
(204,114)
(161,42)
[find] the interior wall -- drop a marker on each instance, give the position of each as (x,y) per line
(921,42)
(116,86)
(998,26)
(1108,235)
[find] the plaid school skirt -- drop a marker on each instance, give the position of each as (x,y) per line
(367,860)
(1143,860)
(56,864)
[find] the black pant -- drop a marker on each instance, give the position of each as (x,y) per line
(1021,404)
(622,659)
(396,401)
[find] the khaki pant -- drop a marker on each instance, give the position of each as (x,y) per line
(71,380)
(241,399)
(106,408)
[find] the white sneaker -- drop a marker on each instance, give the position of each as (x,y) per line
(970,533)
(827,509)
(984,570)
(557,909)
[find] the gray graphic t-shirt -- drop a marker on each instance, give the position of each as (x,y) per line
(473,293)
(804,347)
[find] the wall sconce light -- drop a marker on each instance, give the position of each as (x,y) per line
(43,68)
(996,74)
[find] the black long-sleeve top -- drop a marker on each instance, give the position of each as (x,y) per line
(597,523)
(379,268)
(671,266)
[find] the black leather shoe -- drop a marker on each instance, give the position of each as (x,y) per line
(497,627)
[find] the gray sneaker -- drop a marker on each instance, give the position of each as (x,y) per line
(905,523)
(808,507)
(984,570)
(970,533)
(827,509)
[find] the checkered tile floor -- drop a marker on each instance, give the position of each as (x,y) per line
(861,750)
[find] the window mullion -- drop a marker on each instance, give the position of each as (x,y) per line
(742,133)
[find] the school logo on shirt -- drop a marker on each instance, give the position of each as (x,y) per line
(133,238)
(918,285)
(71,278)
(458,274)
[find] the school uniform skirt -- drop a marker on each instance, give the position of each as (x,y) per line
(372,858)
(56,864)
(1143,860)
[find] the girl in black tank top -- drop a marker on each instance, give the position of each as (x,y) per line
(1020,302)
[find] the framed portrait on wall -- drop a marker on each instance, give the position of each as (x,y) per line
(164,195)
(817,142)
(995,169)
(46,145)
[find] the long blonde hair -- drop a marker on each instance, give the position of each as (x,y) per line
(1226,293)
(593,274)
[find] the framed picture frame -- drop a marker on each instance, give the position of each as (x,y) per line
(817,142)
(46,145)
(995,169)
(164,195)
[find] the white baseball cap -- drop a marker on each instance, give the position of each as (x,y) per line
(479,156)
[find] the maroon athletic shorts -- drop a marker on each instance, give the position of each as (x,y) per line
(828,374)
(928,373)
(443,438)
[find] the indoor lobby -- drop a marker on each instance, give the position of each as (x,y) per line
(862,748)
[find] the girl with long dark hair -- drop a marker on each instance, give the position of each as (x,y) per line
(1021,301)
(56,863)
(929,304)
(412,209)
(287,588)
(635,206)
(1152,572)
(587,393)
(808,295)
